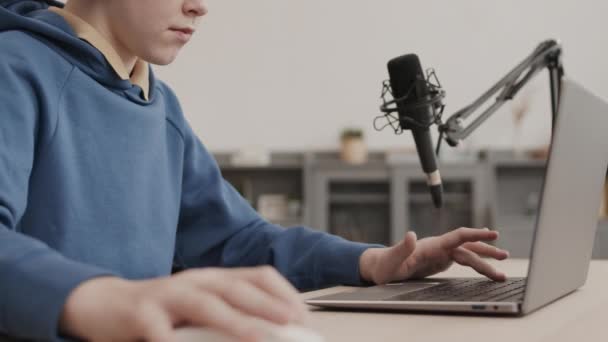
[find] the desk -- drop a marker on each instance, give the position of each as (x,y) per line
(582,315)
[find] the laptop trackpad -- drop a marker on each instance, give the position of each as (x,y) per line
(380,292)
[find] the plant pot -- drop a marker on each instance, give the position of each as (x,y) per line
(354,151)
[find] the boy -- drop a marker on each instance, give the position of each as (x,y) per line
(104,188)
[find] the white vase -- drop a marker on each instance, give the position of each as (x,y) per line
(518,144)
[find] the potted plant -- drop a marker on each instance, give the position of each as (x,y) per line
(353,148)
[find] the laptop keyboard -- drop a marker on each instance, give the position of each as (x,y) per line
(469,290)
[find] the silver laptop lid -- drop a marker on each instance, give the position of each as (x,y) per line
(568,216)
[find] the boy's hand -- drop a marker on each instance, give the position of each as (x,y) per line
(419,259)
(114,309)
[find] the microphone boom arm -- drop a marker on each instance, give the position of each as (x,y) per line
(546,55)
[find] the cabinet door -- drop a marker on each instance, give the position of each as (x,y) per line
(259,185)
(456,211)
(359,210)
(518,191)
(464,200)
(352,202)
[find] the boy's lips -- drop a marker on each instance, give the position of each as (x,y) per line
(183,33)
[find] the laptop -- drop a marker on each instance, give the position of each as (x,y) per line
(563,239)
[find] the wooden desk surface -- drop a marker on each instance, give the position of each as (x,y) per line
(582,315)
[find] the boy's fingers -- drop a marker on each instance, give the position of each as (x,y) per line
(467,258)
(207,310)
(158,326)
(486,250)
(269,280)
(460,236)
(266,293)
(251,300)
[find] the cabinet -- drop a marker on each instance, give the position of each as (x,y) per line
(379,201)
(284,176)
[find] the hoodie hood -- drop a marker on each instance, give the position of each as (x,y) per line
(33,17)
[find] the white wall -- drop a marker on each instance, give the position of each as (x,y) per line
(288,75)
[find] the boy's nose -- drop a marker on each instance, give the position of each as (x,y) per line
(195,8)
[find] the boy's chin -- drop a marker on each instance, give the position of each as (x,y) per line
(162,58)
(162,61)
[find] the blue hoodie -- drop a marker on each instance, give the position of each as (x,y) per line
(96,181)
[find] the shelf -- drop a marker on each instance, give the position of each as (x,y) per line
(278,161)
(505,158)
(448,198)
(332,160)
(359,198)
(528,164)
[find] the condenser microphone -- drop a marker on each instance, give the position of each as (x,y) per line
(415,106)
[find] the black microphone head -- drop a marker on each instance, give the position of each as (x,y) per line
(403,72)
(407,79)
